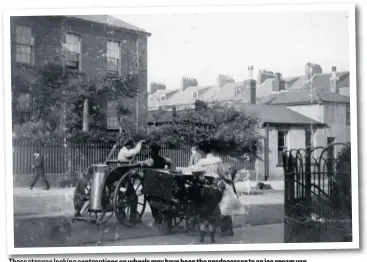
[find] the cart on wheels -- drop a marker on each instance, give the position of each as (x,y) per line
(124,191)
(104,190)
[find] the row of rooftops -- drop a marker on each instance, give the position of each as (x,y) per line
(272,94)
(271,89)
(268,114)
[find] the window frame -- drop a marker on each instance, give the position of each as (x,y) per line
(19,44)
(118,71)
(347,116)
(79,55)
(280,149)
(111,116)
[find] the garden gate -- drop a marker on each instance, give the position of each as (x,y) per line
(317,191)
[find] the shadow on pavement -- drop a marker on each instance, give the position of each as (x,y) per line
(60,232)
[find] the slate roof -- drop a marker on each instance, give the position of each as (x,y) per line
(186,96)
(215,94)
(264,93)
(304,97)
(318,80)
(274,114)
(271,114)
(111,21)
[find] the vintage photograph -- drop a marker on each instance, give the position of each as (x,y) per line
(203,128)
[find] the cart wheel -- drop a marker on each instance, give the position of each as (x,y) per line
(128,193)
(82,190)
(81,194)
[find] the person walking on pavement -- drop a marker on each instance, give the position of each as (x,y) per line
(39,169)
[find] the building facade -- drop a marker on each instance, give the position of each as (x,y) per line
(86,45)
(312,110)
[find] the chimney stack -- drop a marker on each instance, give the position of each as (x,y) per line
(278,83)
(154,87)
(224,79)
(263,75)
(186,82)
(252,86)
(334,81)
(312,69)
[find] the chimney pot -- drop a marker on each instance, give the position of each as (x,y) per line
(250,72)
(334,81)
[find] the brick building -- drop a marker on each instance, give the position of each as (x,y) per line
(90,45)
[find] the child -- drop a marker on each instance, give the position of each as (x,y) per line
(230,203)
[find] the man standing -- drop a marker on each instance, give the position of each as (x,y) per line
(39,169)
(127,155)
(129,151)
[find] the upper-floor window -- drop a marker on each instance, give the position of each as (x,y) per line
(113,57)
(348,116)
(73,46)
(24,44)
(237,91)
(195,95)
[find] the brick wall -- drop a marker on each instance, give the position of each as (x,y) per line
(49,35)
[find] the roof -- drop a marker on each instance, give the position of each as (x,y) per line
(318,80)
(271,114)
(187,96)
(111,21)
(213,93)
(278,115)
(304,97)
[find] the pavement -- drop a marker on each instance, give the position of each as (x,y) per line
(267,234)
(43,219)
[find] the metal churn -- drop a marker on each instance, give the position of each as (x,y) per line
(96,194)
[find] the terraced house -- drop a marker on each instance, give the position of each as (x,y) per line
(296,112)
(97,44)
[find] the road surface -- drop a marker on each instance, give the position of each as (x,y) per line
(42,219)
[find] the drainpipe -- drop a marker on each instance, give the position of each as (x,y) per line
(267,153)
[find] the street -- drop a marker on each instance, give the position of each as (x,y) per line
(45,222)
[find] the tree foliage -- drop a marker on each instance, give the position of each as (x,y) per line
(59,97)
(229,131)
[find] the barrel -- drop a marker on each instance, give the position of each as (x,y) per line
(96,193)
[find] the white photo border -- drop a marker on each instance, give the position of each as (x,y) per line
(350,8)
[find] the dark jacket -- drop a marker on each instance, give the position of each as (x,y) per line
(39,163)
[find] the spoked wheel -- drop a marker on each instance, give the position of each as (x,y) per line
(81,195)
(82,191)
(129,197)
(82,199)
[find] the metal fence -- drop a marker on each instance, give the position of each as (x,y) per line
(76,157)
(317,204)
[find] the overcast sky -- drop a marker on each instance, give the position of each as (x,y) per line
(205,45)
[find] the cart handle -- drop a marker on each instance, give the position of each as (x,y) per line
(124,164)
